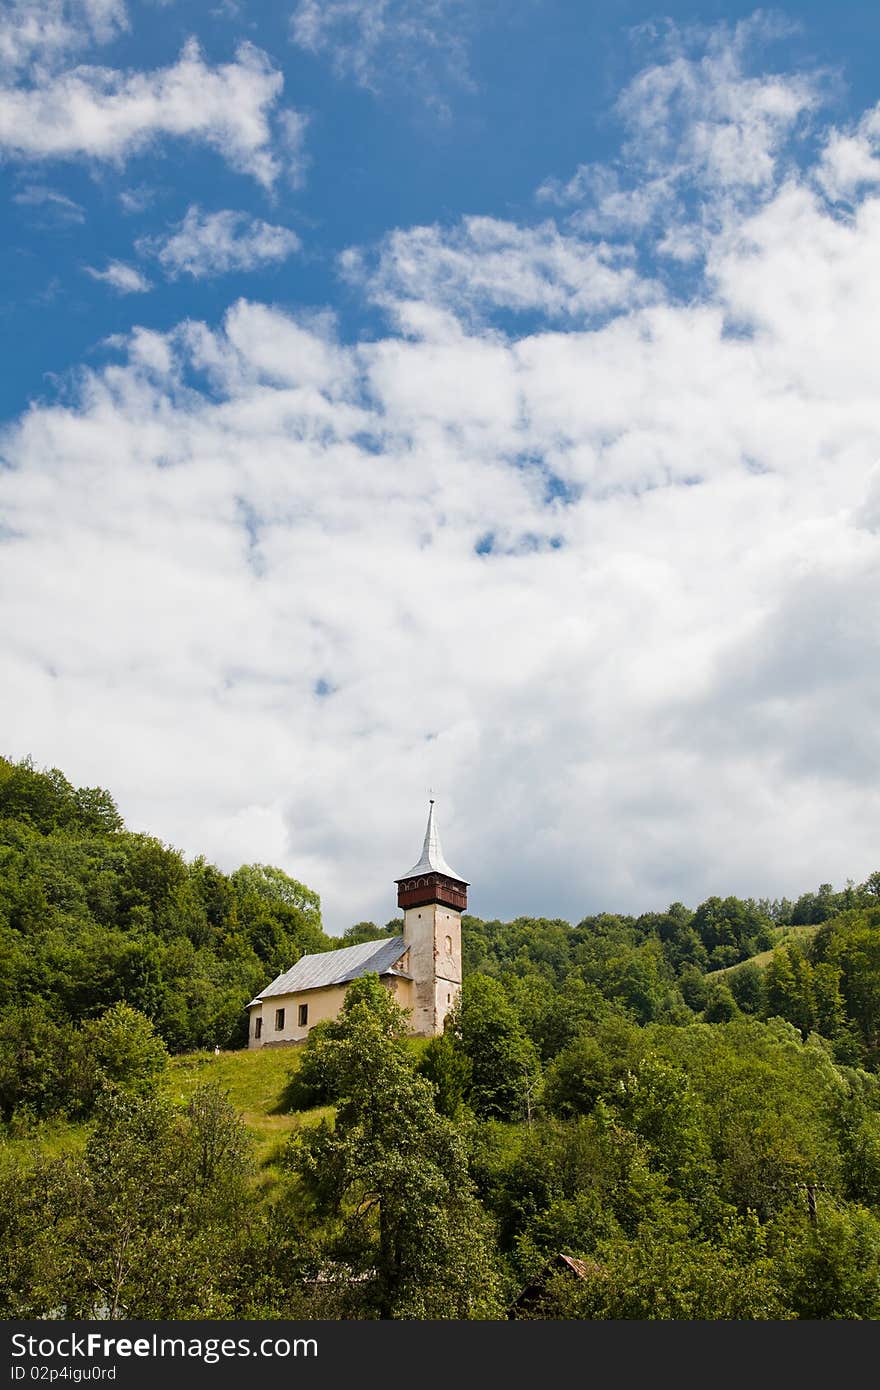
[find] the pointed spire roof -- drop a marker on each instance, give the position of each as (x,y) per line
(432,860)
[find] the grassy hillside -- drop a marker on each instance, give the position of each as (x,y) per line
(788,936)
(255,1083)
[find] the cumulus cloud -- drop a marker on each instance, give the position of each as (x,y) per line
(608,584)
(106,114)
(851,159)
(485,263)
(708,114)
(701,120)
(214,243)
(125,279)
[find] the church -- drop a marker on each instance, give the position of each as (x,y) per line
(421,968)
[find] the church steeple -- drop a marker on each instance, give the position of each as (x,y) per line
(432,860)
(433,897)
(432,880)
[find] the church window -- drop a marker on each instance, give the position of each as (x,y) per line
(279,1020)
(303,1015)
(258,1027)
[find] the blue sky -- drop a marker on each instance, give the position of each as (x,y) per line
(480,396)
(472,118)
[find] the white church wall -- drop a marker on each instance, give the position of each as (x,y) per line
(433,935)
(321,1004)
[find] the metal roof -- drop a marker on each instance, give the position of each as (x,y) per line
(432,861)
(337,967)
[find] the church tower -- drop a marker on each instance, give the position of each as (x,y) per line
(433,897)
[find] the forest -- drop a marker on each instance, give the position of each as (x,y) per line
(685,1103)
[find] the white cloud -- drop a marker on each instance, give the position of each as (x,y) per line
(136,200)
(709,115)
(484,263)
(121,277)
(214,243)
(422,42)
(44,32)
(611,590)
(699,121)
(292,127)
(104,114)
(851,159)
(62,207)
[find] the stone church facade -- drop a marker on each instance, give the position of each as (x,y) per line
(421,968)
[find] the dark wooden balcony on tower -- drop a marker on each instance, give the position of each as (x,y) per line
(432,888)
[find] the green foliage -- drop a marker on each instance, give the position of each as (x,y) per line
(40,1208)
(391,1178)
(133,1228)
(91,916)
(38,1073)
(566,1186)
(280,917)
(450,1073)
(121,1048)
(731,929)
(591,1067)
(675,931)
(788,988)
(275,886)
(503,1062)
(310,1081)
(364,931)
(219,1153)
(746,985)
(47,1067)
(313,1081)
(694,988)
(767,1104)
(658,1277)
(659,1102)
(741,1110)
(47,801)
(829,984)
(858,1134)
(552,1015)
(720,1004)
(832,1269)
(849,946)
(674,1160)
